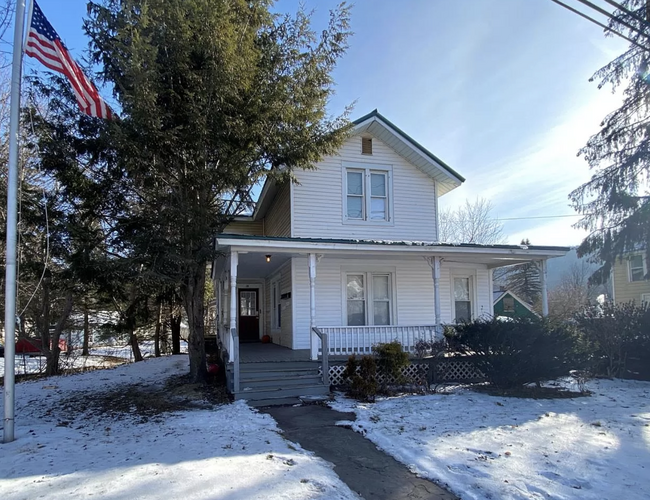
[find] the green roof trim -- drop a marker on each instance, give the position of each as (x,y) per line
(396,129)
(428,244)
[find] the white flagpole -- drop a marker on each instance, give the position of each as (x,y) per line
(12,220)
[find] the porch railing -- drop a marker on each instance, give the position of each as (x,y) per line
(346,340)
(324,352)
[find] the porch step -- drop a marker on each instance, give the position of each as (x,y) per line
(279,366)
(281,393)
(280,380)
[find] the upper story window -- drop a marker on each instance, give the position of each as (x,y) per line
(367,192)
(636,268)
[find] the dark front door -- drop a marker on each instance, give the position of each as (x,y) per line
(249,315)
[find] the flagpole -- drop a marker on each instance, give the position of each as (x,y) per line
(12,220)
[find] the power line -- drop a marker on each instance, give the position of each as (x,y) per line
(644,22)
(604,26)
(611,16)
(538,217)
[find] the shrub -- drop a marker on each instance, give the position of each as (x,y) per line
(363,378)
(514,353)
(391,360)
(614,334)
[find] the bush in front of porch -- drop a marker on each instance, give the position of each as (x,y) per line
(514,353)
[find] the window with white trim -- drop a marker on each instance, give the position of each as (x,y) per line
(462,299)
(645,299)
(636,268)
(367,194)
(369,299)
(276,306)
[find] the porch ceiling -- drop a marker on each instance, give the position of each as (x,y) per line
(253,264)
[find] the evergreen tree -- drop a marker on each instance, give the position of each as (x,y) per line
(615,203)
(213,96)
(525,280)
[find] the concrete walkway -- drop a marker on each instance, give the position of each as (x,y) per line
(357,461)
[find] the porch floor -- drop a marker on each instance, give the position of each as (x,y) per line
(265,353)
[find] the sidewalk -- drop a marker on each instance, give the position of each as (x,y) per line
(365,469)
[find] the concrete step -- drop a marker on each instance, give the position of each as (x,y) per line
(278,382)
(277,374)
(282,392)
(275,402)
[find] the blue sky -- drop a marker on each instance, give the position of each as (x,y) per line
(496,88)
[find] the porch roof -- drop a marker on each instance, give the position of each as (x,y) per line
(492,255)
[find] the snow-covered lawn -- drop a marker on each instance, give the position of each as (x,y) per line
(225,452)
(486,447)
(100,357)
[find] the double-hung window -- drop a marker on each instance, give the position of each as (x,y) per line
(462,299)
(636,268)
(369,299)
(367,194)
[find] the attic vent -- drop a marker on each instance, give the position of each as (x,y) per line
(366,145)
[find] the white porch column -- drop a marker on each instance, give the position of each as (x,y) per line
(435,271)
(313,338)
(542,275)
(234,261)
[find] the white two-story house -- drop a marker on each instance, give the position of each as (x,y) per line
(352,250)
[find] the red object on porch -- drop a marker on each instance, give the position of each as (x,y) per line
(266,339)
(213,368)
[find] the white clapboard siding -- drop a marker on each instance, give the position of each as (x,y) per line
(278,218)
(413,286)
(286,320)
(253,228)
(318,198)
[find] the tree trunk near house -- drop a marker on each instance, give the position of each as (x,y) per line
(156,337)
(193,297)
(84,349)
(51,347)
(135,346)
(175,327)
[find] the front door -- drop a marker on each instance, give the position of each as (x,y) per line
(249,315)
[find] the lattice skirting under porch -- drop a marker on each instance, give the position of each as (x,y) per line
(456,370)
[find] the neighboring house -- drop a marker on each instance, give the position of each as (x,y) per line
(351,250)
(506,303)
(630,279)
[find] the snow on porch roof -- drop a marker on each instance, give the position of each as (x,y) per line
(553,251)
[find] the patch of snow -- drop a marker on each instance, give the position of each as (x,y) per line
(485,447)
(229,452)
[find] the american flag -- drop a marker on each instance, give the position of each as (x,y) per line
(44,44)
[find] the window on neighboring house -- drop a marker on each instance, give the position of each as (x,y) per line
(508,304)
(367,195)
(636,268)
(276,306)
(369,299)
(462,299)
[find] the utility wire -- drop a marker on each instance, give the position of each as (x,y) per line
(538,217)
(604,26)
(644,22)
(612,16)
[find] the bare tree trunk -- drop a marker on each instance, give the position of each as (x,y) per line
(135,346)
(175,327)
(193,297)
(53,350)
(84,350)
(157,334)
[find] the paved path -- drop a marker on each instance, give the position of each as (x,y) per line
(357,461)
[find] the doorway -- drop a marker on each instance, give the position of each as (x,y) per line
(249,315)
